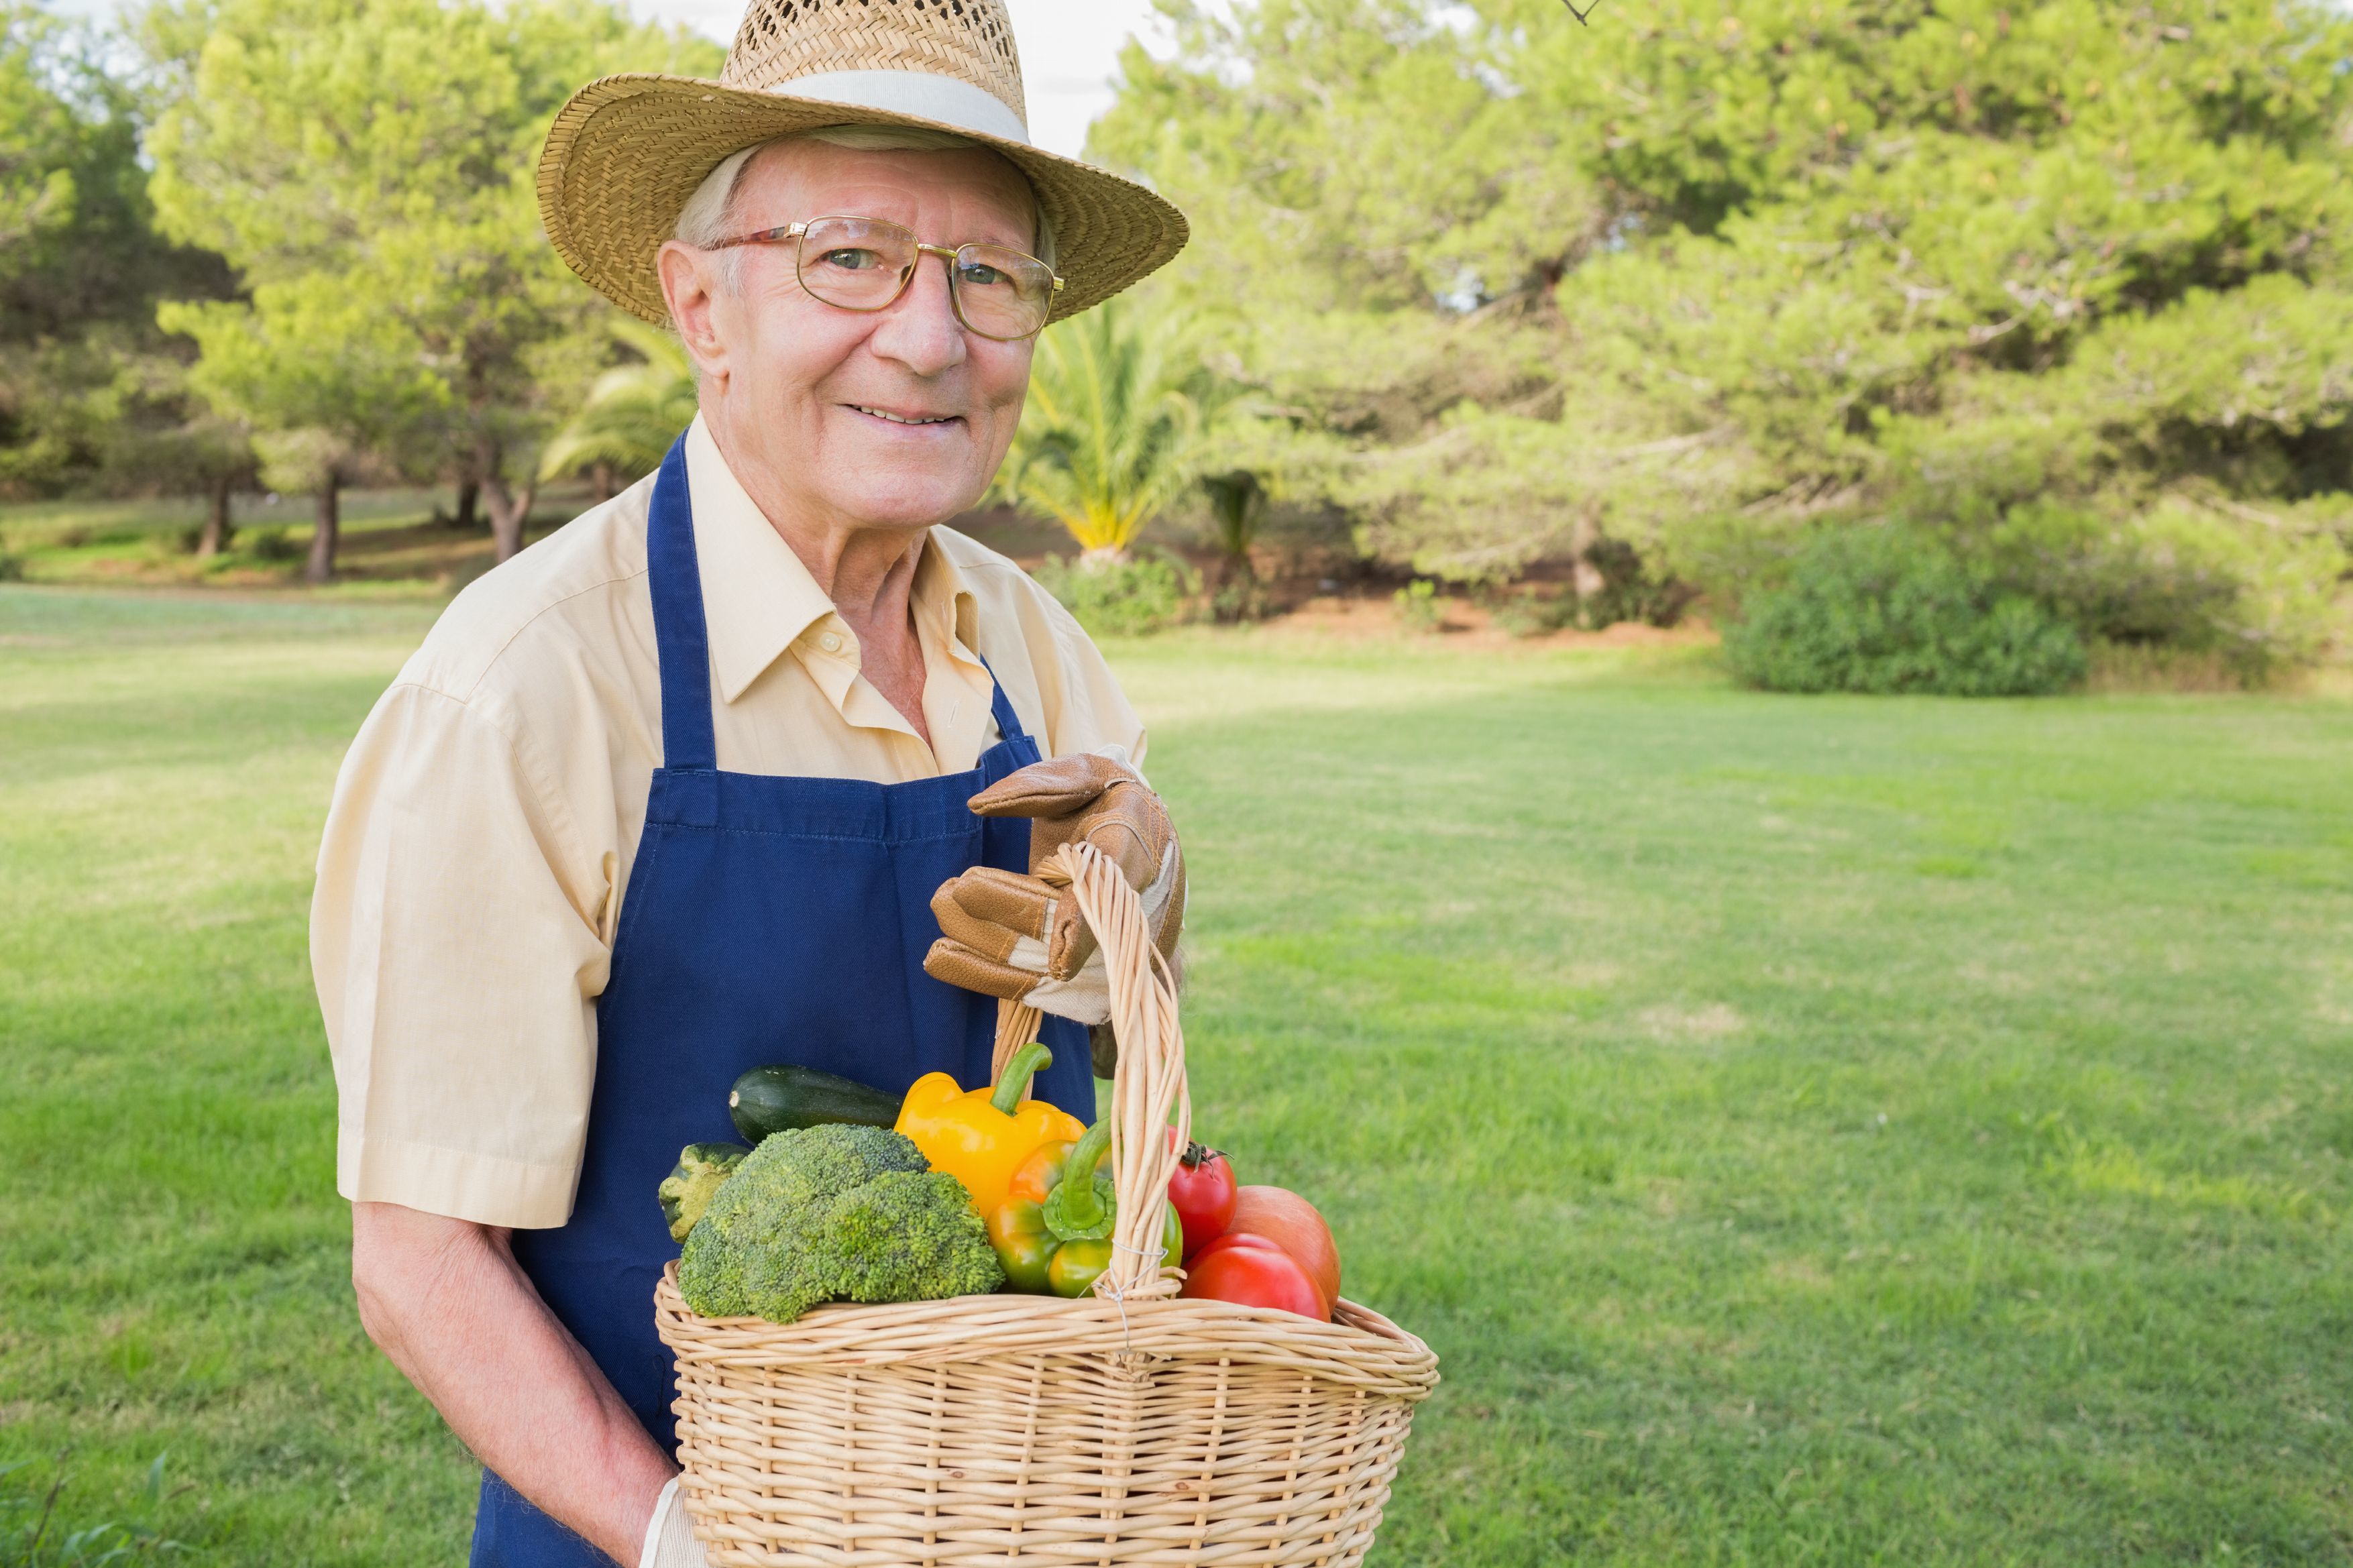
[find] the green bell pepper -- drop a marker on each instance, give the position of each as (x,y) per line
(1052,1233)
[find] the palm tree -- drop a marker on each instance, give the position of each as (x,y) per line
(633,413)
(1119,423)
(1237,504)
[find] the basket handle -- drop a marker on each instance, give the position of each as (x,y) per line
(1148,1088)
(1018,1024)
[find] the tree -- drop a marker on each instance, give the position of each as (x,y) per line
(89,390)
(1709,275)
(37,131)
(320,460)
(368,167)
(1116,426)
(633,412)
(1237,503)
(327,381)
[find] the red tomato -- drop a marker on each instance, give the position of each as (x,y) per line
(1291,1223)
(1251,1271)
(1202,1188)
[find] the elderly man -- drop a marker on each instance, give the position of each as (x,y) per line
(678,792)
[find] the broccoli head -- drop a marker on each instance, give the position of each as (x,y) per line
(836,1210)
(687,1191)
(907,1237)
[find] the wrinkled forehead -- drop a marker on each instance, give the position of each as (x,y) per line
(956,194)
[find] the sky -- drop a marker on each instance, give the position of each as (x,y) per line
(1068,50)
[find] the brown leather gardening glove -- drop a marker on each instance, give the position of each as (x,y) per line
(1021,938)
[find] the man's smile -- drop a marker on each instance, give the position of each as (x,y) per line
(903,418)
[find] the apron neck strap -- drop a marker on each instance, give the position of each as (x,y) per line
(681,637)
(1000,707)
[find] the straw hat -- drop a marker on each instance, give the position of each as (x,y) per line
(628,151)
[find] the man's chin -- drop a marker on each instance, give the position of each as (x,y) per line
(907,506)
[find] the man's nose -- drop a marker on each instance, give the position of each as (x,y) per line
(920,330)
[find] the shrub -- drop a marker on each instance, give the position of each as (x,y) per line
(1419,607)
(2254,588)
(1892,609)
(271,544)
(1241,598)
(1532,615)
(1121,595)
(1632,589)
(12,567)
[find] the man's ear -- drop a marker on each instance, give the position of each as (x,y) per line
(690,288)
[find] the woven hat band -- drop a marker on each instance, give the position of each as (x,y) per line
(948,100)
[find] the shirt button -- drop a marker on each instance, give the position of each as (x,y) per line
(831,642)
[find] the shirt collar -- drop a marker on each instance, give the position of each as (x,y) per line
(943,602)
(758,598)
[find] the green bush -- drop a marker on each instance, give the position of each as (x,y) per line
(1531,613)
(1124,595)
(271,544)
(1632,588)
(1243,598)
(1419,607)
(1892,609)
(2256,588)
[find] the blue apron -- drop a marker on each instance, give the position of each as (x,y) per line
(768,919)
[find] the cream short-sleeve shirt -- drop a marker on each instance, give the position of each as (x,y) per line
(478,849)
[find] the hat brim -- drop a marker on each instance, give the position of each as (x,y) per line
(627,152)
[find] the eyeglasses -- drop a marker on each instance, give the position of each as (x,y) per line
(866,263)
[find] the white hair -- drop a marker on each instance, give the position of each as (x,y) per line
(709,215)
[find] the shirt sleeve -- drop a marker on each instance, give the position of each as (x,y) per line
(458,940)
(1086,709)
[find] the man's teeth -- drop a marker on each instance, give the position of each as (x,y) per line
(897,419)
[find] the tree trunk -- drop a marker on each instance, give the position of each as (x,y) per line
(321,566)
(470,492)
(509,512)
(218,530)
(600,477)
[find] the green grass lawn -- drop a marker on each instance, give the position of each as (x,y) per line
(1809,1131)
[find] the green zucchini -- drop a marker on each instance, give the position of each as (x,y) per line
(770,1100)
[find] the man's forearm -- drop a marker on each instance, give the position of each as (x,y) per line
(446,1301)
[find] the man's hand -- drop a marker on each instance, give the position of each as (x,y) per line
(445,1299)
(1021,938)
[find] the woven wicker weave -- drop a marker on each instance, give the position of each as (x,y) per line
(972,40)
(627,152)
(1023,1431)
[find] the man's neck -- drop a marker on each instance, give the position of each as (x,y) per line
(869,574)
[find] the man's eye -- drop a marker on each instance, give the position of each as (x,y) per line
(852,260)
(982,274)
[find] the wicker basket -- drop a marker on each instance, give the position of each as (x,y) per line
(1128,1427)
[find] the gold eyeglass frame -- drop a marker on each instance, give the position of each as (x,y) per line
(795,233)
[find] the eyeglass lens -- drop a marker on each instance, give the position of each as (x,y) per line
(863,264)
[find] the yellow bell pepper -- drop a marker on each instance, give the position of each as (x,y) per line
(981,1137)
